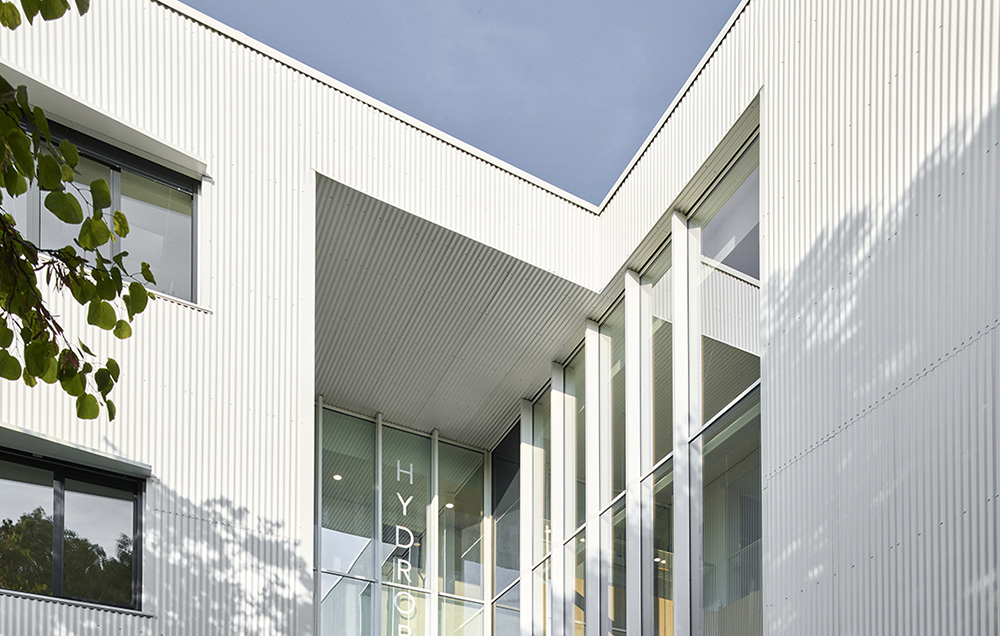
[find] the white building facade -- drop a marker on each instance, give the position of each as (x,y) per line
(399,387)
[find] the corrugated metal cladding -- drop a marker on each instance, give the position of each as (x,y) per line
(879,304)
(879,165)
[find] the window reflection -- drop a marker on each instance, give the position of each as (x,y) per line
(732,509)
(507,613)
(576,441)
(613,416)
(506,469)
(97,543)
(660,281)
(576,584)
(613,563)
(348,494)
(404,611)
(542,435)
(25,528)
(345,606)
(663,551)
(460,520)
(461,618)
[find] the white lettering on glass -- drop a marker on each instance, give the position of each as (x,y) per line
(405,503)
(403,569)
(400,471)
(405,604)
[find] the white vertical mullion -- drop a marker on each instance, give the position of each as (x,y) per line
(487,534)
(318,520)
(646,447)
(527,517)
(681,408)
(633,453)
(694,419)
(377,556)
(557,437)
(592,415)
(433,535)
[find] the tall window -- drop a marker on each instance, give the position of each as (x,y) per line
(542,455)
(158,202)
(732,508)
(506,468)
(69,532)
(576,442)
(612,364)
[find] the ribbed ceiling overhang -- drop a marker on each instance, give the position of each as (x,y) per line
(431,328)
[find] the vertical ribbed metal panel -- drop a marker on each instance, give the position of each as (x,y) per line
(879,133)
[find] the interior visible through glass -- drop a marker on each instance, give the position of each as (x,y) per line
(506,468)
(460,521)
(612,363)
(576,441)
(732,522)
(542,435)
(347,476)
(406,493)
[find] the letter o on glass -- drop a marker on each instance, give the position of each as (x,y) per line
(405,598)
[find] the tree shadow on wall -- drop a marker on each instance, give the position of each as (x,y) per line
(209,568)
(880,436)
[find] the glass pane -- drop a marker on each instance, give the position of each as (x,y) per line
(345,606)
(459,618)
(732,509)
(507,613)
(576,584)
(348,495)
(613,565)
(576,442)
(55,233)
(460,520)
(507,508)
(542,432)
(97,543)
(660,280)
(728,372)
(25,528)
(663,551)
(730,217)
(613,415)
(404,612)
(542,603)
(160,232)
(406,494)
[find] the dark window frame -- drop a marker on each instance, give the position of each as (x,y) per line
(118,160)
(61,471)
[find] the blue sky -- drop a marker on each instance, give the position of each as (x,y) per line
(566,90)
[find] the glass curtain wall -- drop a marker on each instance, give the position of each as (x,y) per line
(576,442)
(542,456)
(658,278)
(374,553)
(507,510)
(732,509)
(612,364)
(613,568)
(663,550)
(576,584)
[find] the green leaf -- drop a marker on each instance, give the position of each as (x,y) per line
(52,9)
(112,409)
(147,273)
(101,194)
(69,152)
(103,380)
(120,223)
(29,379)
(10,17)
(66,173)
(16,183)
(83,291)
(20,147)
(75,385)
(37,356)
(112,367)
(51,372)
(87,408)
(116,278)
(21,97)
(136,299)
(6,335)
(93,234)
(65,206)
(86,350)
(41,122)
(83,6)
(49,173)
(122,330)
(30,9)
(105,286)
(10,368)
(101,314)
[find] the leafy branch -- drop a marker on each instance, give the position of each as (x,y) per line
(33,343)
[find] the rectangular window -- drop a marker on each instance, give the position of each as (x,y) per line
(69,532)
(660,282)
(612,378)
(576,442)
(406,493)
(507,509)
(159,204)
(460,521)
(732,508)
(542,436)
(576,584)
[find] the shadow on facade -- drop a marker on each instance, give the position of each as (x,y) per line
(880,430)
